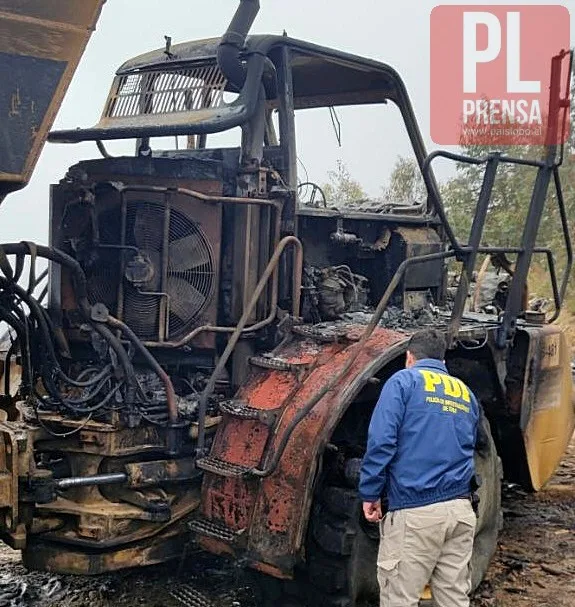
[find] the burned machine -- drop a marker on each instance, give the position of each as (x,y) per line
(212,347)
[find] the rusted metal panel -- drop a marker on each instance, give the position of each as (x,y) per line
(149,474)
(41,43)
(271,513)
(16,461)
(421,241)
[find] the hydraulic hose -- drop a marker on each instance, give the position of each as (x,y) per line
(169,387)
(22,249)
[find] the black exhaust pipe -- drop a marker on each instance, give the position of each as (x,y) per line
(233,42)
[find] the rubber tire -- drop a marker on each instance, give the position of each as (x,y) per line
(342,550)
(341,555)
(490,516)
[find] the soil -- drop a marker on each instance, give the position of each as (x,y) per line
(535,562)
(534,565)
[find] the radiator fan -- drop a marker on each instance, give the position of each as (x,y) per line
(184,272)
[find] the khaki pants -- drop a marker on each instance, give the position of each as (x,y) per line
(431,544)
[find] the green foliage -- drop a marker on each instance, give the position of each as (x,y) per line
(405,184)
(342,189)
(508,209)
(510,202)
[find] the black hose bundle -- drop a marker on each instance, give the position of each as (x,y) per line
(35,340)
(36,335)
(94,389)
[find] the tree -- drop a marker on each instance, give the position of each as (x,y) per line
(406,184)
(511,194)
(509,205)
(343,189)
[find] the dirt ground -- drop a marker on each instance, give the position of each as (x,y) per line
(535,561)
(534,565)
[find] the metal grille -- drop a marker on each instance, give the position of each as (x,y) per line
(189,275)
(167,92)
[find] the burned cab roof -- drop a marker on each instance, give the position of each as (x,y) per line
(317,71)
(180,90)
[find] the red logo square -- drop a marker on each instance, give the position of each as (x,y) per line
(491,72)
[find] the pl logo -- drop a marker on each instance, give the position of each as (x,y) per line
(491,69)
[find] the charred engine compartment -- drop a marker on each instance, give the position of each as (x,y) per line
(351,257)
(167,249)
(150,269)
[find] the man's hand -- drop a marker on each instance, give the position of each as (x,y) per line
(372,511)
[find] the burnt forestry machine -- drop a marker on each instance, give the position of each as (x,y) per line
(213,346)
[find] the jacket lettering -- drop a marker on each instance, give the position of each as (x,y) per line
(451,385)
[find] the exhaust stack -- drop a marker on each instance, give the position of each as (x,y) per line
(233,42)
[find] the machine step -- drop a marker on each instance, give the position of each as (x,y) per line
(326,335)
(202,526)
(276,364)
(239,409)
(219,467)
(190,596)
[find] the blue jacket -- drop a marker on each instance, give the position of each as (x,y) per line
(421,439)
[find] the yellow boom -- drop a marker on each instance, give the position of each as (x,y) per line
(41,44)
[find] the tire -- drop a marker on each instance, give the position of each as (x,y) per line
(490,520)
(341,551)
(342,548)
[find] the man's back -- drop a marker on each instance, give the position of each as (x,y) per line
(420,449)
(434,418)
(434,459)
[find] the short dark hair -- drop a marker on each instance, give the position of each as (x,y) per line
(429,343)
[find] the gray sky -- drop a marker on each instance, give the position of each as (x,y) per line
(394,32)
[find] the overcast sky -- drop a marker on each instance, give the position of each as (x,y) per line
(390,31)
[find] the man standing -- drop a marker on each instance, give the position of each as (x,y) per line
(420,450)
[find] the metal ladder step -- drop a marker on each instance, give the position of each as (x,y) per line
(190,596)
(324,336)
(239,409)
(219,531)
(276,364)
(219,467)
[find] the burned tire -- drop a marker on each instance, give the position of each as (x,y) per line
(341,551)
(490,520)
(342,548)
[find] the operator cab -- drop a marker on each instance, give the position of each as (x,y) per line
(182,91)
(193,229)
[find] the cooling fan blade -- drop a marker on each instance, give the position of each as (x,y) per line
(141,312)
(148,227)
(185,299)
(188,253)
(175,259)
(101,281)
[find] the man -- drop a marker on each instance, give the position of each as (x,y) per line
(420,450)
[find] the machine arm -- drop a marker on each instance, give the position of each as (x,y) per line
(41,44)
